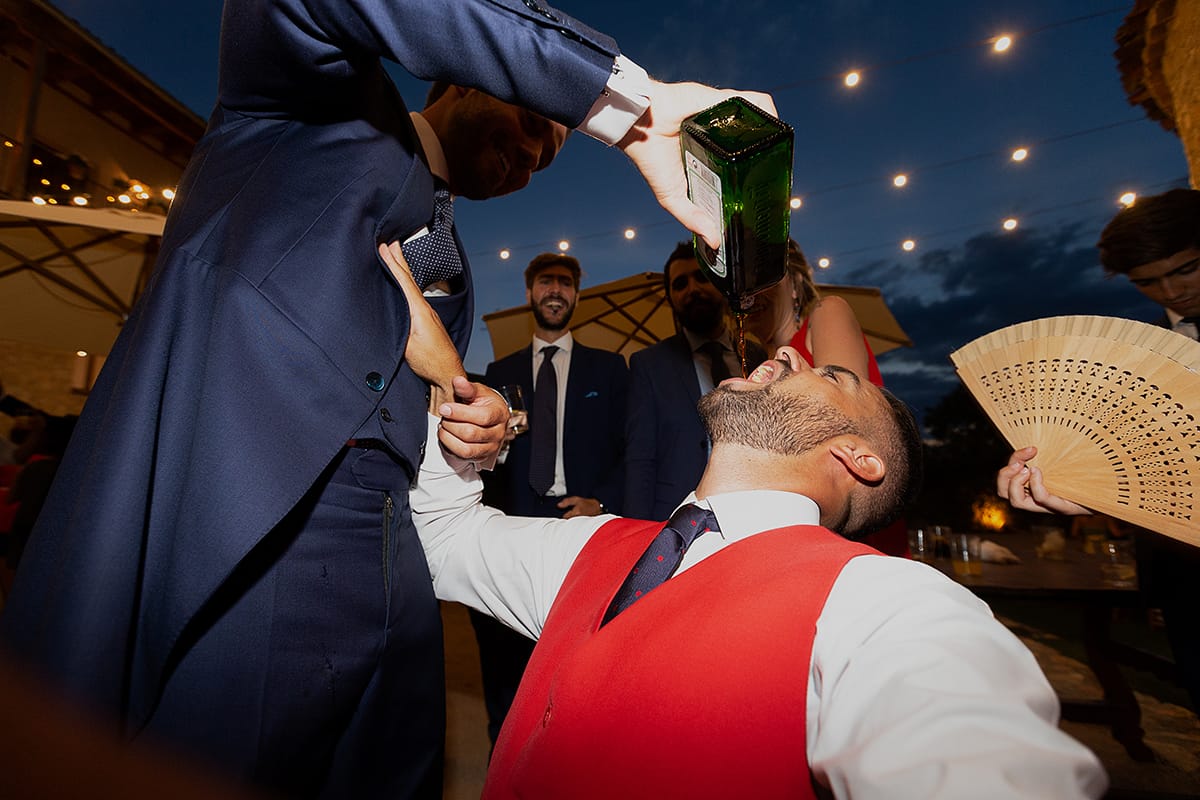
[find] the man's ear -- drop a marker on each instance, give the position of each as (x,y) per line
(858,458)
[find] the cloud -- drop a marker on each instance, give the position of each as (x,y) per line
(952,296)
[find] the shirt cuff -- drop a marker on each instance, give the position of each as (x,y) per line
(623,101)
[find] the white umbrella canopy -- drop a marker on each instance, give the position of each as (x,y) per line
(625,315)
(68,276)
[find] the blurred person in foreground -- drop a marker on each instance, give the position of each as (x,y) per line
(226,562)
(770,657)
(1155,243)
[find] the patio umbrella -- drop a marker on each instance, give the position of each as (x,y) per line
(69,276)
(625,315)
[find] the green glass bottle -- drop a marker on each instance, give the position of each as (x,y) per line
(738,160)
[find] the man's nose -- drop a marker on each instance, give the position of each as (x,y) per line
(1170,287)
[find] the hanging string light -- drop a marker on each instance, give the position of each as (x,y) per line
(852,79)
(1127,199)
(1002,43)
(900,181)
(1010,224)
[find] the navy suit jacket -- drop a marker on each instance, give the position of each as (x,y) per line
(270,331)
(666,446)
(593,431)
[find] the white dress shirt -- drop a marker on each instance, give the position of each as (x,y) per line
(914,690)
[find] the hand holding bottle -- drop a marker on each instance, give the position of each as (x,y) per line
(653,146)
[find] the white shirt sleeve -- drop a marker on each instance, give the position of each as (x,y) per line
(916,691)
(622,103)
(508,567)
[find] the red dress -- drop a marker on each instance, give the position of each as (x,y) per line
(892,540)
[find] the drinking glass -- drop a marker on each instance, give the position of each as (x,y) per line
(519,419)
(964,551)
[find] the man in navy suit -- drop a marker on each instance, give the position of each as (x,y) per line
(584,459)
(666,446)
(227,560)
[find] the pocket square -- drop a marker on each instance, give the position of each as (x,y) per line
(592,393)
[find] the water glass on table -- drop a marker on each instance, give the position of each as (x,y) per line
(920,543)
(965,554)
(518,420)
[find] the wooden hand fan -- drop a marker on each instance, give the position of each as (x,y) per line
(1112,405)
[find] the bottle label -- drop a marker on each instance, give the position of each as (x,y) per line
(705,191)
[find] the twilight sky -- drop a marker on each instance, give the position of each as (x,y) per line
(935,102)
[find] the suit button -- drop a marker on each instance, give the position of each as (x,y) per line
(385,415)
(375,381)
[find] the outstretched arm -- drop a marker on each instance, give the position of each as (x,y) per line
(1022,485)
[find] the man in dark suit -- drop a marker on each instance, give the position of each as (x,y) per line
(227,560)
(666,446)
(576,397)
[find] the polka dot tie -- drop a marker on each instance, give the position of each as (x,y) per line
(434,256)
(663,556)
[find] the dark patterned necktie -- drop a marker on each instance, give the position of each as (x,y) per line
(544,424)
(716,355)
(434,256)
(663,556)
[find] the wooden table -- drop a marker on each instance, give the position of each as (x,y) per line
(1076,580)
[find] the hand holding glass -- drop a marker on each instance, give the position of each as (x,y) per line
(519,421)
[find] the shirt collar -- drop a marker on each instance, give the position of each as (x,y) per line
(432,147)
(743,514)
(1173,318)
(563,343)
(694,341)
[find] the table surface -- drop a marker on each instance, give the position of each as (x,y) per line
(1076,576)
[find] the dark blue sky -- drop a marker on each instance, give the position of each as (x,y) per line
(949,120)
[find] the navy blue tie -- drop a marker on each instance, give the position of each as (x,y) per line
(434,256)
(663,556)
(544,424)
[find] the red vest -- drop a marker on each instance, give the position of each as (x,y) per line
(697,690)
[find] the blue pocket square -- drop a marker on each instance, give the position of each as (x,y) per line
(592,393)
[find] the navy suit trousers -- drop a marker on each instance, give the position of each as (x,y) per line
(318,670)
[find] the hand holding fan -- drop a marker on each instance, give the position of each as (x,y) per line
(1112,405)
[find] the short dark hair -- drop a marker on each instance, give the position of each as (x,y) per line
(683,250)
(898,438)
(1151,229)
(546,260)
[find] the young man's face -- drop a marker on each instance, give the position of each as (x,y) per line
(786,406)
(493,147)
(1172,282)
(552,297)
(699,304)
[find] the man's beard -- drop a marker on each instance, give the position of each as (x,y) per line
(771,420)
(549,324)
(701,316)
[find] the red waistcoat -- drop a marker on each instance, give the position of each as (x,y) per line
(697,690)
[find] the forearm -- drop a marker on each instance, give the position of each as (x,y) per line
(507,567)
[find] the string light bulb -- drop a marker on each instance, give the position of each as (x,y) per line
(169,194)
(795,203)
(79,200)
(38,200)
(1010,224)
(1128,199)
(505,254)
(81,353)
(564,246)
(1020,154)
(908,245)
(823,262)
(630,233)
(124,199)
(852,79)
(900,180)
(1002,43)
